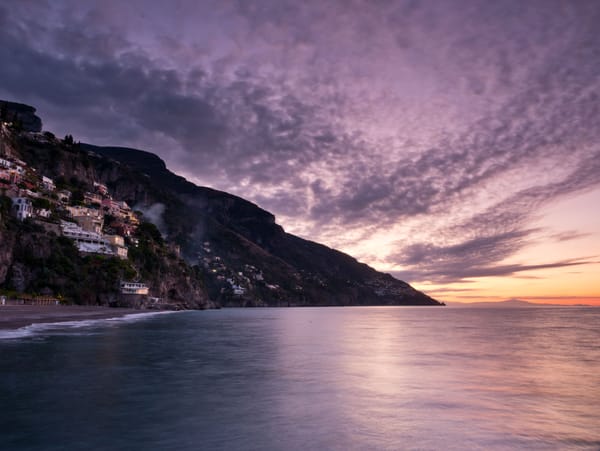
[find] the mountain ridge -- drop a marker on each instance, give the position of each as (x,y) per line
(510,303)
(258,227)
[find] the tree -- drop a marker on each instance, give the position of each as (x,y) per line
(40,202)
(148,231)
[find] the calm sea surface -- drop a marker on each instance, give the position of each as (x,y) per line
(307,379)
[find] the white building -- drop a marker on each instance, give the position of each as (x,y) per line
(94,243)
(80,236)
(28,193)
(134,288)
(48,183)
(43,213)
(64,195)
(238,290)
(22,208)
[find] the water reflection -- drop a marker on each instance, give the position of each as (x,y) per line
(488,377)
(335,378)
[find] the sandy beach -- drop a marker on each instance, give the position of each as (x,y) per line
(16,316)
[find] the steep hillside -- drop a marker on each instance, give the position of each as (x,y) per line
(228,235)
(36,260)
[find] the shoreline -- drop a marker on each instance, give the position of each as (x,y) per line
(13,317)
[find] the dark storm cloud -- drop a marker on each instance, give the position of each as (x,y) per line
(241,126)
(268,120)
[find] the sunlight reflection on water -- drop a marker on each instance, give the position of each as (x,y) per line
(333,378)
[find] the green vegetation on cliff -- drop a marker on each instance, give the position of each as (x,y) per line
(46,264)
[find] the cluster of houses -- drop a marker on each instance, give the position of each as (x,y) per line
(83,222)
(11,171)
(236,282)
(97,225)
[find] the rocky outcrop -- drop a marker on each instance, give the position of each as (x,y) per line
(180,288)
(22,114)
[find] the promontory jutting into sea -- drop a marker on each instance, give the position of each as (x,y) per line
(111,226)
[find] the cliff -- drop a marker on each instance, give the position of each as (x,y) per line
(22,115)
(35,260)
(233,252)
(246,257)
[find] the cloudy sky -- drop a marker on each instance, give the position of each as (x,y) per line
(454,144)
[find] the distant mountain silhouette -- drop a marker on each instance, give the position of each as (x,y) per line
(509,303)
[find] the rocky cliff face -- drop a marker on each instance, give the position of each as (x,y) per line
(247,259)
(34,260)
(22,114)
(7,242)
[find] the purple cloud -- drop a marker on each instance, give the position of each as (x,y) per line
(345,118)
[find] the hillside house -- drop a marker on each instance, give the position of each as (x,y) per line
(117,244)
(92,242)
(90,223)
(64,195)
(93,198)
(10,175)
(86,242)
(101,189)
(4,163)
(238,290)
(122,228)
(116,208)
(19,169)
(22,208)
(89,219)
(28,193)
(48,184)
(42,213)
(78,210)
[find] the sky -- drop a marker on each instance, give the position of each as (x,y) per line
(453,144)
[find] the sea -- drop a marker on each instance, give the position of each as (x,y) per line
(353,378)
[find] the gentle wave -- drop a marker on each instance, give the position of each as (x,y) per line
(44,328)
